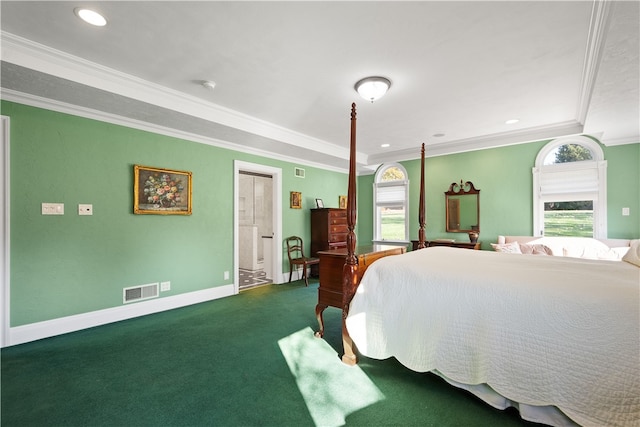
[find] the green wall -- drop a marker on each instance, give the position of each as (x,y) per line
(71,264)
(506,182)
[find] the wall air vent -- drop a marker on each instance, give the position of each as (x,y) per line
(299,172)
(139,293)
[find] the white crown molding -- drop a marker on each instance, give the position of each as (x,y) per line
(634,139)
(26,53)
(88,113)
(598,25)
(484,142)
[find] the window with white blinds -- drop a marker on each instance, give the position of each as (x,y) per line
(391,203)
(570,196)
(566,178)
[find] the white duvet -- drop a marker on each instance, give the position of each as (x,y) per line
(539,330)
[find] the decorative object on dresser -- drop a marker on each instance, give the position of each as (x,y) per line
(319,203)
(295,252)
(462,206)
(295,200)
(447,242)
(161,191)
(328,229)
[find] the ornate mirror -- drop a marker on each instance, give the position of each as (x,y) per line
(462,204)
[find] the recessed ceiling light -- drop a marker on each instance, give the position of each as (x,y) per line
(512,121)
(385,145)
(90,16)
(209,84)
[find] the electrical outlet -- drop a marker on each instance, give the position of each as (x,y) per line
(85,209)
(226,275)
(53,209)
(165,286)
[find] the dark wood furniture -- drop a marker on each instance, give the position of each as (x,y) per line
(430,243)
(351,268)
(295,252)
(328,229)
(462,205)
(330,292)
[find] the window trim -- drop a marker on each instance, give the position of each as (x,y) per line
(599,196)
(377,183)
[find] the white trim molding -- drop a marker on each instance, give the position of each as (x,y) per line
(63,325)
(276,174)
(5,250)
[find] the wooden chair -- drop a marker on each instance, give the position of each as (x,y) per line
(295,252)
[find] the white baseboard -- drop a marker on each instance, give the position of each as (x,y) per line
(63,325)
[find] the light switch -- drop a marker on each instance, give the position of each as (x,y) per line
(625,211)
(85,209)
(53,209)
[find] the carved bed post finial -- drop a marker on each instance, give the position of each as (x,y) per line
(350,269)
(421,221)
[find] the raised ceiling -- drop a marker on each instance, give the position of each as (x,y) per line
(285,72)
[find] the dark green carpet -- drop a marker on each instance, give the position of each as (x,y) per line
(216,363)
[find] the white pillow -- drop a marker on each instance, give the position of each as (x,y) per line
(633,254)
(536,249)
(571,246)
(613,254)
(509,248)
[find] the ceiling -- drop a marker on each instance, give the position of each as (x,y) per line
(285,72)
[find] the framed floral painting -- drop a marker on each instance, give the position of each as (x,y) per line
(161,191)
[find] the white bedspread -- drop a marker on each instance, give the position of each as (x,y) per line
(539,330)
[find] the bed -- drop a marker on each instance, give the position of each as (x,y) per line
(556,337)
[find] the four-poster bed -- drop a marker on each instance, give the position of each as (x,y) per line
(556,337)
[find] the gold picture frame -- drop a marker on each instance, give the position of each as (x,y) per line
(295,200)
(161,191)
(342,202)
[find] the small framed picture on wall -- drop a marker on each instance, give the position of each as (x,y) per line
(342,202)
(296,200)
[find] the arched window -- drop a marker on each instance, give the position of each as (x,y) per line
(570,189)
(391,204)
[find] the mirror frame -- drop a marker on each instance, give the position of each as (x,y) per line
(462,189)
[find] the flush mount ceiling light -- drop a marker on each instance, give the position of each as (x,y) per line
(372,88)
(90,17)
(511,121)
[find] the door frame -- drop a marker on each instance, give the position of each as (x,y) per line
(5,289)
(276,217)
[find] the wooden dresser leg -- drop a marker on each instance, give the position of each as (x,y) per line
(319,309)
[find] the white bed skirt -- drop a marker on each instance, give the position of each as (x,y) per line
(539,414)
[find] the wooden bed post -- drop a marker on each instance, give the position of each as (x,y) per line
(421,238)
(350,269)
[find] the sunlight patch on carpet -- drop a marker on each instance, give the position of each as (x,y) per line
(331,389)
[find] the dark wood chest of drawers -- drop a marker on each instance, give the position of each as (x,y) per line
(328,229)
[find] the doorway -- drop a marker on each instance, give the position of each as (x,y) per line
(255,216)
(257,225)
